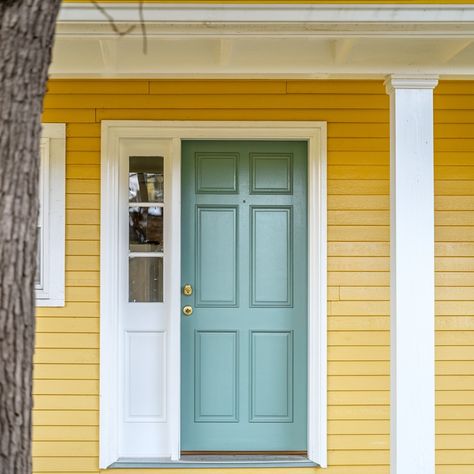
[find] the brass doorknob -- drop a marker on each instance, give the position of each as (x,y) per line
(188,310)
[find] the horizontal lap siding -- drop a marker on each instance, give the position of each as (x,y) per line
(358,269)
(66,386)
(66,377)
(454,220)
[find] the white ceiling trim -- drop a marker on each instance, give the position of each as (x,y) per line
(299,13)
(271,30)
(265,41)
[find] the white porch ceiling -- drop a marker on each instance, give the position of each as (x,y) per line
(303,41)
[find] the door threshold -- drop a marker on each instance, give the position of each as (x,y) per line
(217,460)
(247,457)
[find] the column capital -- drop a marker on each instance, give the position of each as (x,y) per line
(415,81)
(412,438)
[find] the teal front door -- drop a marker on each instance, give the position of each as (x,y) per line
(244,253)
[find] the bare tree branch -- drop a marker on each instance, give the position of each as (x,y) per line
(143,27)
(112,21)
(129,29)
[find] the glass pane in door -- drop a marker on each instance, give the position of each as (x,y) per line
(145,279)
(145,229)
(145,179)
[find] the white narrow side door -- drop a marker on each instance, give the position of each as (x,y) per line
(144,243)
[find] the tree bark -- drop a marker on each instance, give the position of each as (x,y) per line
(26,38)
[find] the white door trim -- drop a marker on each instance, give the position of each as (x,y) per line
(175,131)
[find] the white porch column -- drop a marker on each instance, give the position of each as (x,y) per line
(412,274)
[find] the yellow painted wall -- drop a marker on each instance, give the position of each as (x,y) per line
(67,357)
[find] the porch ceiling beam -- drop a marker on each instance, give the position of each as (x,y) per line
(412,274)
(225,51)
(228,57)
(450,52)
(108,51)
(342,49)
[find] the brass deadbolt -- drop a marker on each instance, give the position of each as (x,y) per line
(187,290)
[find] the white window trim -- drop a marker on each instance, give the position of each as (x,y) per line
(175,131)
(52,215)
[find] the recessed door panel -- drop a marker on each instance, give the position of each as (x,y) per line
(216,256)
(215,386)
(146,354)
(271,365)
(244,331)
(272,256)
(216,173)
(272,173)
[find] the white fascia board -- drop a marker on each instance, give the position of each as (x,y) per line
(270,29)
(299,13)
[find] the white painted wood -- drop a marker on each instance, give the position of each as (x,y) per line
(252,51)
(451,51)
(225,52)
(145,353)
(109,53)
(146,254)
(142,132)
(262,41)
(146,204)
(109,288)
(317,305)
(342,49)
(145,435)
(297,12)
(43,271)
(174,384)
(272,29)
(50,290)
(412,275)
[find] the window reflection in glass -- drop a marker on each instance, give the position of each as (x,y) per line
(145,229)
(145,179)
(145,276)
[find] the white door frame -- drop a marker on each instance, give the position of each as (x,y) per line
(173,132)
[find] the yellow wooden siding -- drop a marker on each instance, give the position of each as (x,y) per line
(67,357)
(454,219)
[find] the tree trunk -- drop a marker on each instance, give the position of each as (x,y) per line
(26,38)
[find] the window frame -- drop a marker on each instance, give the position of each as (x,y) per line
(51,220)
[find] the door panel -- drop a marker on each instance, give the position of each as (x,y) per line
(244,251)
(271,365)
(271,258)
(216,256)
(146,399)
(216,376)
